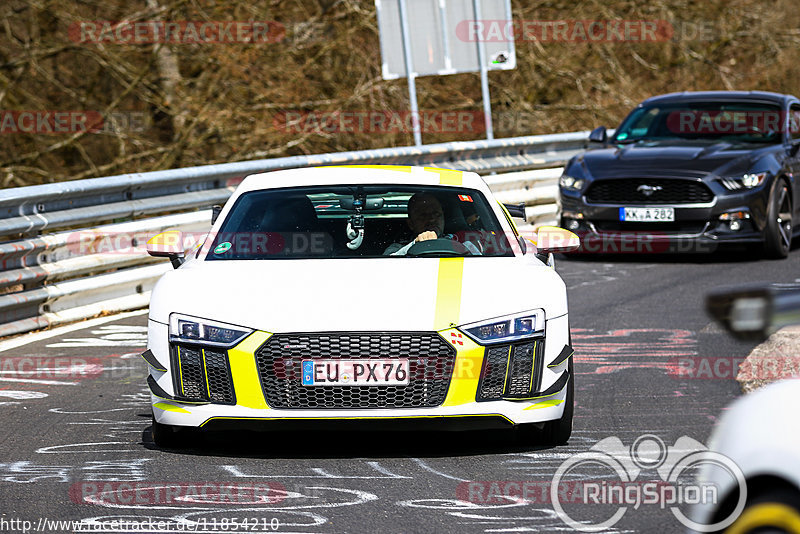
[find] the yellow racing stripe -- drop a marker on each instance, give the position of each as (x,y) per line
(169,407)
(467,372)
(448,293)
(244,372)
(545,404)
(447,176)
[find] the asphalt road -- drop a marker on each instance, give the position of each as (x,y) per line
(76,445)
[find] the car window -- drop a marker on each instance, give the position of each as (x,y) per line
(358,222)
(745,122)
(794,122)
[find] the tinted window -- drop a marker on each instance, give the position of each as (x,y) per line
(357,222)
(714,121)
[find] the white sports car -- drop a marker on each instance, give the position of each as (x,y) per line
(389,296)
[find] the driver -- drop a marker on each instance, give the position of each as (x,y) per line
(426,220)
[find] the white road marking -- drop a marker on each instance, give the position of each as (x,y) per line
(52,449)
(61,410)
(37,381)
(428,468)
(114,335)
(55,332)
(380,469)
(22,395)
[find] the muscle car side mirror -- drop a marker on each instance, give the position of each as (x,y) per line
(167,245)
(599,135)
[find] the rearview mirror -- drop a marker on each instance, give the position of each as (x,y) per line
(167,245)
(369,204)
(555,239)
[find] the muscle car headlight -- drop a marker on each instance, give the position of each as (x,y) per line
(508,328)
(187,329)
(747,181)
(568,182)
(752,180)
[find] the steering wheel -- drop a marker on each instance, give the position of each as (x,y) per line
(438,247)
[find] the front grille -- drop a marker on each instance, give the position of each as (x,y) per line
(511,370)
(202,374)
(627,191)
(431,362)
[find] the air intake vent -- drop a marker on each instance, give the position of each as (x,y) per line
(202,374)
(511,371)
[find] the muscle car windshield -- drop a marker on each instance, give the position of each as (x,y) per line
(705,121)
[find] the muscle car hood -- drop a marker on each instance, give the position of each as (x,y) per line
(650,159)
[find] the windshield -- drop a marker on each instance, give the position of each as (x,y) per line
(705,121)
(359,222)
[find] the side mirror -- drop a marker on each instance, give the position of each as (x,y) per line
(793,149)
(167,245)
(516,210)
(755,312)
(598,135)
(551,239)
(216,209)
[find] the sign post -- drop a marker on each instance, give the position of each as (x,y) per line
(409,64)
(439,37)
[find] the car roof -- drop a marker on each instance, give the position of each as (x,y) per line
(729,96)
(362,174)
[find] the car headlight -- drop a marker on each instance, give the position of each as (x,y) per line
(187,329)
(747,181)
(507,328)
(568,182)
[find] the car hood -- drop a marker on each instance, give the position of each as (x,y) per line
(659,158)
(385,294)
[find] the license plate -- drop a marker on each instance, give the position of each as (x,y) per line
(355,372)
(647,214)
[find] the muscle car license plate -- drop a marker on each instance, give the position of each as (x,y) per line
(355,372)
(647,214)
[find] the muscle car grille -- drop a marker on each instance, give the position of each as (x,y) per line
(202,374)
(511,370)
(431,362)
(632,191)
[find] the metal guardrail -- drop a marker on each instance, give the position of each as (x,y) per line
(61,258)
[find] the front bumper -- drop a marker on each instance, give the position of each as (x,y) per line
(459,410)
(697,227)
